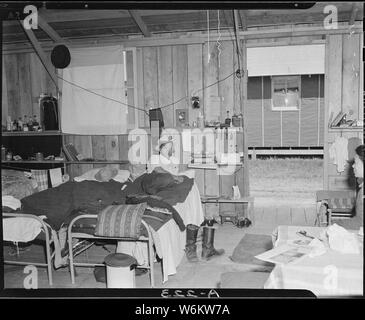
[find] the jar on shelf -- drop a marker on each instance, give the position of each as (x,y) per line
(9,156)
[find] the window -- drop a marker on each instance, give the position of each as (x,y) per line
(130,85)
(285,93)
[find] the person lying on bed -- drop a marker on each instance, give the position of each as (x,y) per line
(165,161)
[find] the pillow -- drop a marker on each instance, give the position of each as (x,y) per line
(91,175)
(17,184)
(88,175)
(105,174)
(122,176)
(136,170)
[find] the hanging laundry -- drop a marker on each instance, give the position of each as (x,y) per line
(339,153)
(42,179)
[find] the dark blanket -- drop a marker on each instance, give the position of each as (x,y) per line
(157,202)
(167,187)
(60,203)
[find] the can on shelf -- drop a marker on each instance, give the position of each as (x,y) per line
(3,153)
(39,156)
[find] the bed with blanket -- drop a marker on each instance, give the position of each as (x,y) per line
(171,204)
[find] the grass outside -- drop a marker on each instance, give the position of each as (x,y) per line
(289,179)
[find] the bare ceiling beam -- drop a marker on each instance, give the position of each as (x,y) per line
(50,31)
(41,55)
(243,18)
(354,10)
(137,18)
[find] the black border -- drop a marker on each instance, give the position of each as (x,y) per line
(230,297)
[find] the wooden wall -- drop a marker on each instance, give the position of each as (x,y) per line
(24,79)
(344,92)
(176,73)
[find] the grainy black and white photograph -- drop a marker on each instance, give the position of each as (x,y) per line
(183,149)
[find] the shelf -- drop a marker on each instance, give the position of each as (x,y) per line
(30,133)
(225,200)
(349,129)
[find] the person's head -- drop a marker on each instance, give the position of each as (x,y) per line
(359,162)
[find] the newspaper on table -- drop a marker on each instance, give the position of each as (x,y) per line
(286,253)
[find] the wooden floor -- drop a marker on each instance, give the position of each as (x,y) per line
(189,275)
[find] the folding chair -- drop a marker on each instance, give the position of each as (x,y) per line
(334,204)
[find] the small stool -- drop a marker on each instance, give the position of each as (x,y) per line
(120,270)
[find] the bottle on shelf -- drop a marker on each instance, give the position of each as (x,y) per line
(25,123)
(228,119)
(9,124)
(200,121)
(240,116)
(30,123)
(20,124)
(15,125)
(35,123)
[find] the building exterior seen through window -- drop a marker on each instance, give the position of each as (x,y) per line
(285,93)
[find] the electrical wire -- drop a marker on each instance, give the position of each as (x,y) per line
(208,47)
(100,95)
(201,89)
(218,43)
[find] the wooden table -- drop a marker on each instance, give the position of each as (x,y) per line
(233,217)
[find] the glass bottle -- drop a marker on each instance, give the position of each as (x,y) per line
(228,119)
(35,123)
(20,124)
(25,123)
(9,124)
(15,125)
(30,123)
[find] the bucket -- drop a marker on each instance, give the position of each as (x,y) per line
(120,272)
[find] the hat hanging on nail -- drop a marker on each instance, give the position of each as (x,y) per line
(60,56)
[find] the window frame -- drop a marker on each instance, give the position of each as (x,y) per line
(135,88)
(285,108)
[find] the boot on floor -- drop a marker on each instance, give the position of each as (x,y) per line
(190,247)
(208,249)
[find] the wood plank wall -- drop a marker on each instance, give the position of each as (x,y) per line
(166,73)
(24,79)
(343,93)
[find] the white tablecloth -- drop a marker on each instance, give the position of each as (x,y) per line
(330,274)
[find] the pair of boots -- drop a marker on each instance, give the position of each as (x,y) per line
(208,249)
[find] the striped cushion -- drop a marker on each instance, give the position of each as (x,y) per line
(122,221)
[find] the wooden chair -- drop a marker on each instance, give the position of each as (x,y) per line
(334,204)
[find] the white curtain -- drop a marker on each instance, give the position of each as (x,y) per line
(285,60)
(98,69)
